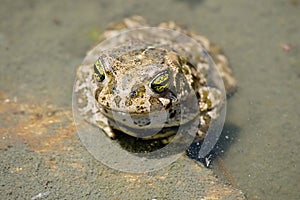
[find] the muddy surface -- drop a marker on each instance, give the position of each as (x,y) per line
(43,158)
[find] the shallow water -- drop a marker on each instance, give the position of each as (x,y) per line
(41,43)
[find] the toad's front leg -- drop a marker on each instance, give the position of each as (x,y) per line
(102,122)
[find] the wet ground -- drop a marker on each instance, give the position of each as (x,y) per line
(41,43)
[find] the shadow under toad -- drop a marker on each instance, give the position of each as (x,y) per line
(227,138)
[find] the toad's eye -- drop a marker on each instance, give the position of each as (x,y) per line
(161,82)
(99,74)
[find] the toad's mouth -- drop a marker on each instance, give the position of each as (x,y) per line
(171,117)
(145,133)
(148,126)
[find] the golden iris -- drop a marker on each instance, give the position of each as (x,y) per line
(161,82)
(99,74)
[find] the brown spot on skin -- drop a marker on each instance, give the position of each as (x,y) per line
(117,100)
(97,94)
(140,108)
(155,104)
(137,61)
(176,63)
(128,102)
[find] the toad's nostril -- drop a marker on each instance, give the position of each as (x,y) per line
(133,94)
